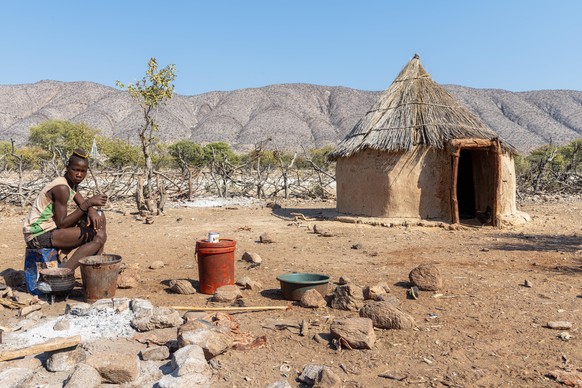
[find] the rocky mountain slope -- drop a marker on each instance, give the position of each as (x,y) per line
(291,115)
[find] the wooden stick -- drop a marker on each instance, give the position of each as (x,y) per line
(50,345)
(246,308)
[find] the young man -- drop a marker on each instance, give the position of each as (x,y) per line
(49,226)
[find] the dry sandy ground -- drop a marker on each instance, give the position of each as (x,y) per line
(489,328)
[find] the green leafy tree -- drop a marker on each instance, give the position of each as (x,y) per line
(186,153)
(119,153)
(61,137)
(153,90)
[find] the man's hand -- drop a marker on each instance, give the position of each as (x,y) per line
(97,200)
(95,218)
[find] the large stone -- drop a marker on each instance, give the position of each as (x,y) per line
(227,294)
(309,373)
(16,377)
(358,333)
(312,299)
(385,315)
(196,380)
(348,297)
(182,286)
(212,339)
(326,378)
(156,353)
(279,384)
(84,376)
(128,278)
(160,318)
(141,306)
(248,284)
(190,360)
(114,367)
(79,309)
(377,291)
(65,360)
(426,277)
(252,257)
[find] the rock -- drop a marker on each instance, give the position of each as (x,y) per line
(159,318)
(191,316)
(326,378)
(188,381)
(84,376)
(182,286)
(357,332)
(156,353)
(347,297)
(156,264)
(343,280)
(35,316)
(128,278)
(190,360)
(309,373)
(115,367)
(426,277)
(140,306)
(385,315)
(266,239)
(121,304)
(227,294)
(213,340)
(78,309)
(252,257)
(13,278)
(322,231)
(273,205)
(16,377)
(376,292)
(559,325)
(312,299)
(567,378)
(65,360)
(29,309)
(249,284)
(390,299)
(527,284)
(62,324)
(26,362)
(357,246)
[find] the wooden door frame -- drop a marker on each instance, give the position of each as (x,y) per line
(454,147)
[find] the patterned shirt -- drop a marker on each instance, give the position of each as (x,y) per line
(40,218)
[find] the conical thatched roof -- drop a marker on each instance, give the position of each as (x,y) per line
(413,111)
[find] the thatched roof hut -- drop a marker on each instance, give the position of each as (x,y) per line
(418,152)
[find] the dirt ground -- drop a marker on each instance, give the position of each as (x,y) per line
(486,330)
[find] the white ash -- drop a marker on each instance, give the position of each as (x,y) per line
(98,323)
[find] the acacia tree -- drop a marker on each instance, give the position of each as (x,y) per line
(152,91)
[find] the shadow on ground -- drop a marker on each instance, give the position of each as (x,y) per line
(540,243)
(297,213)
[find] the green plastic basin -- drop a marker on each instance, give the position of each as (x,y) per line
(294,285)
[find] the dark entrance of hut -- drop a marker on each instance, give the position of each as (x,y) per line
(475,184)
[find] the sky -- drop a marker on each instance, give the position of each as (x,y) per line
(220,45)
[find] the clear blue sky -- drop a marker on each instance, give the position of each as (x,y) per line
(516,45)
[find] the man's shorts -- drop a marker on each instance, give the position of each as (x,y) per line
(41,241)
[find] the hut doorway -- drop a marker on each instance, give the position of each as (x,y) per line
(475,181)
(466,186)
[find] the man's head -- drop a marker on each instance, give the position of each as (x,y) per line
(77,166)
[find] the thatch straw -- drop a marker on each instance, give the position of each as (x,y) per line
(413,111)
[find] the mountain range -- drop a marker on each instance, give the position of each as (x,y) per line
(292,116)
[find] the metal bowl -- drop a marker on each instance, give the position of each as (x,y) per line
(57,279)
(294,285)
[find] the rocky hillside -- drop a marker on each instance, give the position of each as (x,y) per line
(291,115)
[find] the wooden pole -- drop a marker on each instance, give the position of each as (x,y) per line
(454,200)
(246,308)
(48,346)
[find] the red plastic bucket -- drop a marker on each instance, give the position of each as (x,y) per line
(215,264)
